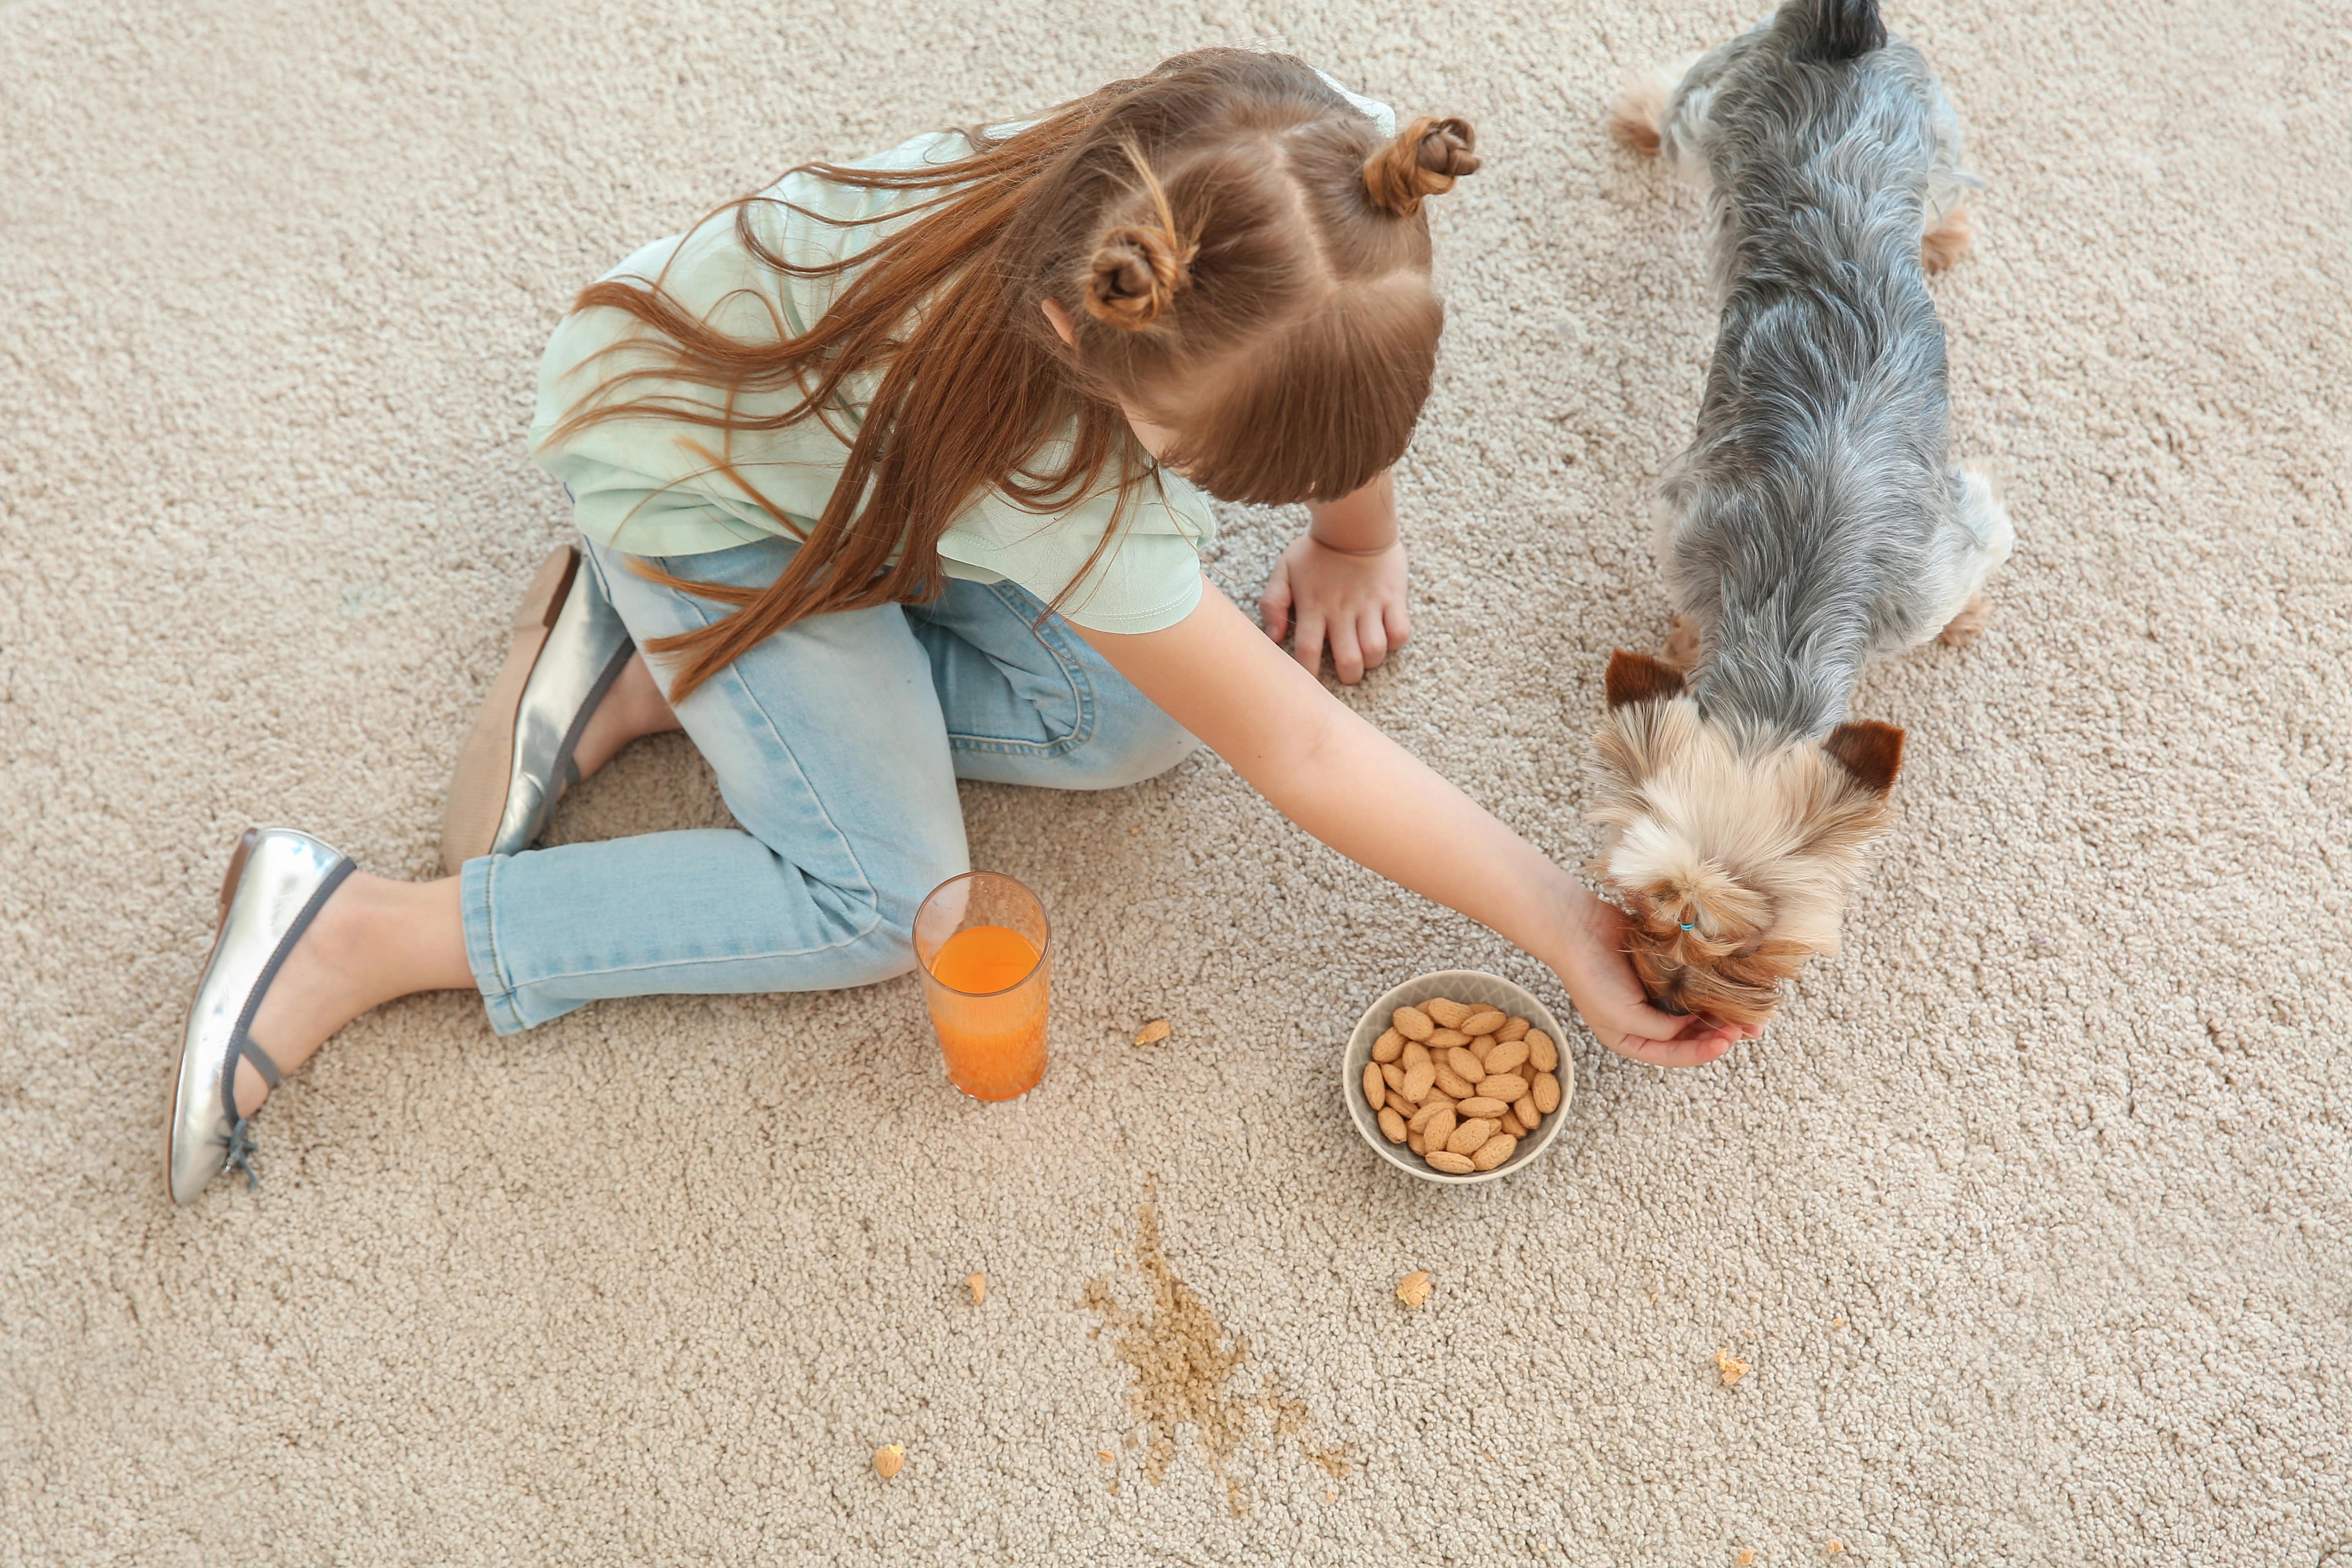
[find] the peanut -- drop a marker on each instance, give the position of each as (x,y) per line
(1484,1020)
(1388,1047)
(1472,1135)
(1448,1013)
(1453,1164)
(1503,1086)
(1505,1056)
(1391,1126)
(1542,1052)
(1545,1092)
(1468,1068)
(1484,1105)
(1376,1086)
(1512,1029)
(1497,1150)
(1452,1082)
(1417,1081)
(1413,1023)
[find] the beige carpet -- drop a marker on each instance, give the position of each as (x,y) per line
(2033,1219)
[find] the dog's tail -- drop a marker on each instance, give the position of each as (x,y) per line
(1835,29)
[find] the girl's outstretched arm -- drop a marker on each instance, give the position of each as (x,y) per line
(1360,793)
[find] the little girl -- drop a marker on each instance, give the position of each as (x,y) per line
(895,475)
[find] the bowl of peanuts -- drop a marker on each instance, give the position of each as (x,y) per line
(1415,1066)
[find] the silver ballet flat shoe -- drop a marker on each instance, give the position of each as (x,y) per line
(569,648)
(277,881)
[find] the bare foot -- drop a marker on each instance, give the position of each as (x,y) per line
(374,940)
(1684,649)
(1963,628)
(632,708)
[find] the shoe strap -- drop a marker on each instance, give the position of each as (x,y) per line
(567,766)
(243,1045)
(241,1039)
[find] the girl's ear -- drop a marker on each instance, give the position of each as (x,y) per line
(1061,319)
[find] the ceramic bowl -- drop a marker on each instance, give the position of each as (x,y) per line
(1469,986)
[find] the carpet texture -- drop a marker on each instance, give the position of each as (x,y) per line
(2033,1219)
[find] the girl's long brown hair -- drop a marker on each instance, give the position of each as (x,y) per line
(1244,260)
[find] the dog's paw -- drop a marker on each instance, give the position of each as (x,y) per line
(1683,649)
(1637,115)
(1965,628)
(1948,241)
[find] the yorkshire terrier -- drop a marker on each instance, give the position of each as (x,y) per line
(1817,518)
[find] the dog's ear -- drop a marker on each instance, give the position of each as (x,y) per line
(1870,752)
(1638,678)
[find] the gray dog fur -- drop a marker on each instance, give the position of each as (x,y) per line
(1817,518)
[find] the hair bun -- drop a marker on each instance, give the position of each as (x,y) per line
(1136,274)
(1427,156)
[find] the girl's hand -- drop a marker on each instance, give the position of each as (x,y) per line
(1352,600)
(1342,583)
(1591,964)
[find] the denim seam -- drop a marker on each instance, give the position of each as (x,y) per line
(1043,749)
(1075,673)
(603,582)
(694,962)
(865,880)
(490,927)
(506,997)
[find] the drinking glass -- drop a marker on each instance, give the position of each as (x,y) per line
(981,942)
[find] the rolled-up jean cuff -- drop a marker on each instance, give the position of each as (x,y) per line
(477,884)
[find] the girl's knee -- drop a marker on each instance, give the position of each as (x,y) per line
(880,909)
(890,945)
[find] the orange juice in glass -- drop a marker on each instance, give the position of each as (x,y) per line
(980,941)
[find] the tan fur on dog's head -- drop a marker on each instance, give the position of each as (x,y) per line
(1734,863)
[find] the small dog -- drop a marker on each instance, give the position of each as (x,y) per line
(1816,519)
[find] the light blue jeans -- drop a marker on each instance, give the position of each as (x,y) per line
(837,745)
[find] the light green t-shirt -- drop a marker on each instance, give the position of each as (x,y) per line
(650,486)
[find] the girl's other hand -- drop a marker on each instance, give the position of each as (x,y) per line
(1592,964)
(1353,601)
